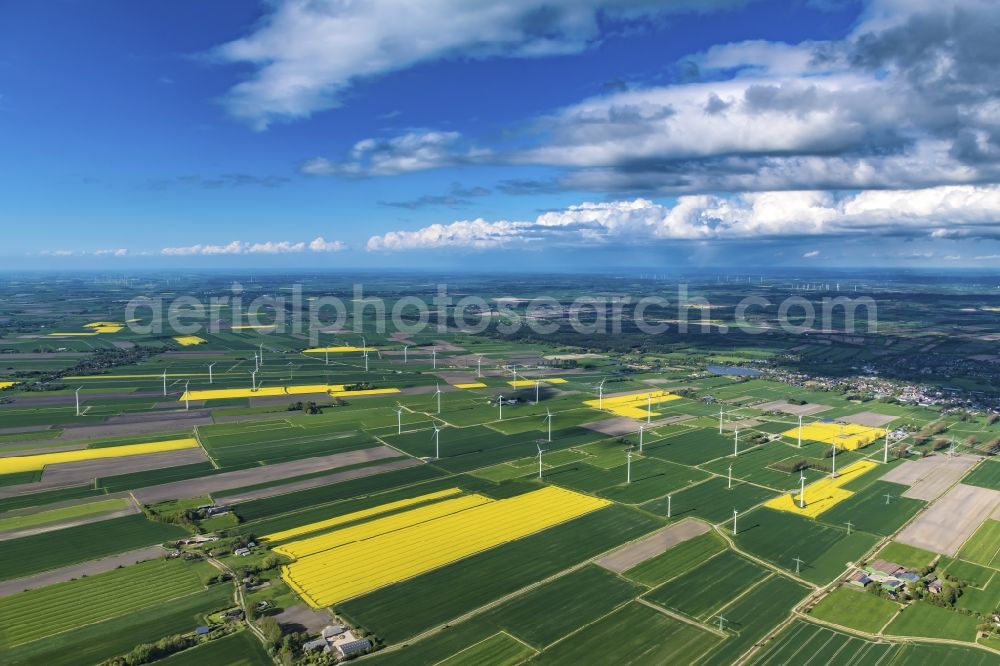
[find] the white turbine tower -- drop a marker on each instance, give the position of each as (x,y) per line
(735,514)
(253,380)
(262,353)
(78,401)
(641,427)
(649,407)
(187,399)
(885,452)
(802,490)
(291,371)
(437,393)
(669,504)
(366,359)
(798,563)
(405,347)
(833,473)
(729,483)
(800,431)
(210,372)
(434,358)
(479,367)
(720,420)
(600,394)
(537,384)
(628,465)
(736,442)
(540,452)
(399,420)
(500,405)
(164,382)
(437,442)
(548,418)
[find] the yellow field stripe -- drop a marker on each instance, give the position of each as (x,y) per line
(332,540)
(4,385)
(188,340)
(824,494)
(14,464)
(517,383)
(847,436)
(470,385)
(331,576)
(337,350)
(334,390)
(633,405)
(358,515)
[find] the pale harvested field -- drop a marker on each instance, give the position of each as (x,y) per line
(950,521)
(786,407)
(650,546)
(871,419)
(742,424)
(247,477)
(930,477)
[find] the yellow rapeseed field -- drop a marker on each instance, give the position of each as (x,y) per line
(391,553)
(39,461)
(358,515)
(634,404)
(336,350)
(517,383)
(847,436)
(4,385)
(330,540)
(189,340)
(823,494)
(470,385)
(96,328)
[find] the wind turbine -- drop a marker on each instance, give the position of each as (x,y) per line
(640,437)
(720,420)
(885,452)
(722,622)
(540,452)
(537,384)
(669,503)
(256,362)
(405,347)
(548,417)
(434,358)
(628,465)
(164,382)
(437,393)
(800,431)
(366,359)
(802,490)
(479,367)
(500,405)
(399,420)
(210,372)
(888,498)
(600,394)
(729,483)
(736,442)
(253,380)
(437,442)
(649,407)
(187,399)
(849,526)
(798,563)
(833,474)
(291,371)
(78,401)
(262,353)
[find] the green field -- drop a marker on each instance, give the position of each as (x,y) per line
(910,557)
(94,643)
(635,634)
(780,537)
(677,560)
(497,650)
(51,550)
(804,640)
(868,511)
(923,619)
(754,614)
(709,586)
(712,500)
(856,609)
(67,513)
(983,547)
(49,610)
(239,649)
(985,474)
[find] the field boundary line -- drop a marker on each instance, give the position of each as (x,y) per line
(745,592)
(681,618)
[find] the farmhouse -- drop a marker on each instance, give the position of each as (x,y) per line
(883,569)
(316,644)
(859,579)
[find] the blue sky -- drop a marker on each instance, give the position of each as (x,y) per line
(459,134)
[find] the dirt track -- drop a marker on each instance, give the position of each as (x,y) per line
(267,473)
(90,568)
